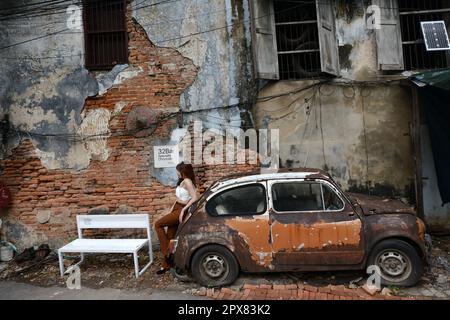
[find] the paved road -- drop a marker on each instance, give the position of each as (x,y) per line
(10,290)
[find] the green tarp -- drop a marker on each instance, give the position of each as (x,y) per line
(435,94)
(439,79)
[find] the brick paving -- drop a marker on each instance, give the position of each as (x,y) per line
(297,292)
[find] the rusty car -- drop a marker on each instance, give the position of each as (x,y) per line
(293,221)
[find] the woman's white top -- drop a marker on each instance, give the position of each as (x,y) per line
(182,194)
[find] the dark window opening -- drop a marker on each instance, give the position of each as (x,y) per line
(297,39)
(415,55)
(297,196)
(243,200)
(105,33)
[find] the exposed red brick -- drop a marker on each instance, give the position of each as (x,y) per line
(124,178)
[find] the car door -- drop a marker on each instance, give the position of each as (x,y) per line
(312,224)
(243,209)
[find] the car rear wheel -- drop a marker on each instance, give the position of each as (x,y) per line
(399,263)
(181,275)
(214,266)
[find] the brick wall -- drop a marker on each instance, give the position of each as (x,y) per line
(45,202)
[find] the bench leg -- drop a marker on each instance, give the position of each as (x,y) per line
(150,251)
(136,264)
(61,263)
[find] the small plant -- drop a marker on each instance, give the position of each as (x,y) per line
(394,289)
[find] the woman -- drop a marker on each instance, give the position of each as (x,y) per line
(186,195)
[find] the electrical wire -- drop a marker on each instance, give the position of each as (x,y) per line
(301,3)
(163,40)
(48,11)
(158,22)
(321,132)
(311,99)
(76,137)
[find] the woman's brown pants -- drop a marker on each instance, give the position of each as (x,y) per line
(171,221)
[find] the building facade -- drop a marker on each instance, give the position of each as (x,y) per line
(89,87)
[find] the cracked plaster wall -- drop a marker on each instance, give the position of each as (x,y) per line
(359,134)
(45,90)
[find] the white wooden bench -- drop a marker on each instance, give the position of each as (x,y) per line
(118,221)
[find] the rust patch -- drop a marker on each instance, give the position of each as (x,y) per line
(381,205)
(297,237)
(420,229)
(292,237)
(255,232)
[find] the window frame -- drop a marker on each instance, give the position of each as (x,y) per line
(405,44)
(271,183)
(288,54)
(88,51)
(336,193)
(235,186)
(264,42)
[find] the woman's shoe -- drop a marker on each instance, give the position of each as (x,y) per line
(161,271)
(169,260)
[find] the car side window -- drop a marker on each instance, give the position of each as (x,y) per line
(297,196)
(242,200)
(331,199)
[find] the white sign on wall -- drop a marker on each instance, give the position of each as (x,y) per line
(166,156)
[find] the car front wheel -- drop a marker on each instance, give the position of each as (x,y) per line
(399,263)
(214,266)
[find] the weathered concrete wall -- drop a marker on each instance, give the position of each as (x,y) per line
(359,131)
(216,37)
(350,131)
(357,45)
(91,164)
(45,84)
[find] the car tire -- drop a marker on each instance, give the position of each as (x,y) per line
(214,266)
(182,276)
(399,263)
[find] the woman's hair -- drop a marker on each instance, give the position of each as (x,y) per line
(187,171)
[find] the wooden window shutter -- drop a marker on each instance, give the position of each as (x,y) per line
(389,37)
(264,40)
(329,54)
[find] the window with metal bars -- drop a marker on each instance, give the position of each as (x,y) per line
(105,33)
(297,39)
(412,12)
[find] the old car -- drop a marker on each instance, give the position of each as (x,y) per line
(296,220)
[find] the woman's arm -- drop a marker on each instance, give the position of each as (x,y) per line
(189,186)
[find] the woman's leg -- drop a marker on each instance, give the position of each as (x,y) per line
(171,231)
(170,221)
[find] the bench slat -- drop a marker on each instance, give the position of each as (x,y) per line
(104,245)
(122,221)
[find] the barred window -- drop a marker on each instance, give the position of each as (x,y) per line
(297,39)
(294,39)
(415,55)
(105,33)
